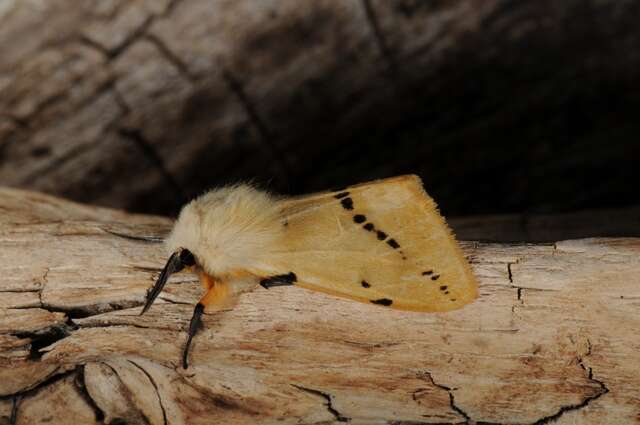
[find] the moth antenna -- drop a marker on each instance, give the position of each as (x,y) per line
(174,264)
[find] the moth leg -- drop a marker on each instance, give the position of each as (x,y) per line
(215,296)
(194,325)
(279,280)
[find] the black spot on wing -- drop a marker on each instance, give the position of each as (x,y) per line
(443,288)
(432,275)
(393,244)
(382,301)
(341,195)
(365,284)
(347,203)
(359,218)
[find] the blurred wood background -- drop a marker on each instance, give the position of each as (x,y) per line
(552,338)
(500,105)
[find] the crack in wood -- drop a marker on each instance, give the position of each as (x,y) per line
(14,410)
(545,420)
(171,57)
(251,110)
(50,335)
(87,41)
(81,387)
(563,409)
(153,382)
(155,270)
(43,338)
(138,33)
(126,393)
(18,291)
(84,311)
(220,401)
(143,238)
(104,88)
(43,282)
(381,42)
(131,39)
(50,379)
(328,402)
(170,301)
(136,137)
(509,272)
(125,109)
(519,290)
(45,103)
(589,348)
(452,401)
(120,325)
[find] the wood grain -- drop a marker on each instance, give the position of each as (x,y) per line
(553,336)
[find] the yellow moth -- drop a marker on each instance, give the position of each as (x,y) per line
(381,242)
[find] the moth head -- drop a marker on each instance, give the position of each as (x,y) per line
(194,230)
(187,258)
(227,229)
(178,261)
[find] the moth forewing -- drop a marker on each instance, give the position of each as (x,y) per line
(382,242)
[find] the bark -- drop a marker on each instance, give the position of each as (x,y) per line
(139,103)
(552,337)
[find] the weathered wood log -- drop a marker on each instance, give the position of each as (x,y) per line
(553,336)
(132,103)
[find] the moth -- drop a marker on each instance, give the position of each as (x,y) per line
(382,243)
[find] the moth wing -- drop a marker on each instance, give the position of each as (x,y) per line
(382,242)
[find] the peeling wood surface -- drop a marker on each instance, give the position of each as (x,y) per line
(552,338)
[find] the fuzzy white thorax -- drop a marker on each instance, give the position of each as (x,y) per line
(228,229)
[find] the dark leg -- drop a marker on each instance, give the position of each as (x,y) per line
(279,280)
(194,325)
(217,294)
